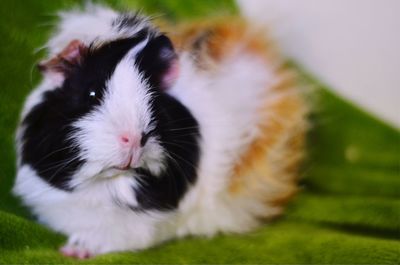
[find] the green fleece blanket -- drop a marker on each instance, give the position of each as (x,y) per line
(348,211)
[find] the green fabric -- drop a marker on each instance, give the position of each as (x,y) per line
(347,212)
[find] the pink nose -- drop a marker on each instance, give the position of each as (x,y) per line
(129,140)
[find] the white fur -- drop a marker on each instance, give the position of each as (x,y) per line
(99,132)
(94,23)
(89,215)
(224,102)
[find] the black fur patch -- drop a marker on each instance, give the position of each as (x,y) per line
(155,60)
(177,129)
(46,144)
(179,134)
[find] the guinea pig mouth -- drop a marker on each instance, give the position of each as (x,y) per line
(123,168)
(132,164)
(112,172)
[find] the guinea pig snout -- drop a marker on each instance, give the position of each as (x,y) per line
(130,144)
(130,140)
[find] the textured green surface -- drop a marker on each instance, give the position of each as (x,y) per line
(348,211)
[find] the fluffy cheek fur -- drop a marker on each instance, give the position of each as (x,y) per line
(99,133)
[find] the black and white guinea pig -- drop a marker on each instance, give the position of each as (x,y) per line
(133,138)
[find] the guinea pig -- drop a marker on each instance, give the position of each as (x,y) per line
(135,136)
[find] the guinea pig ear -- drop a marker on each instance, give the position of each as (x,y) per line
(63,61)
(159,62)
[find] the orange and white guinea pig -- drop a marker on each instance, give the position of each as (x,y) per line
(138,134)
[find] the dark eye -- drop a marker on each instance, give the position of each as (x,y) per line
(93,96)
(145,137)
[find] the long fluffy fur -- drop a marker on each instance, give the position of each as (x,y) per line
(252,117)
(252,121)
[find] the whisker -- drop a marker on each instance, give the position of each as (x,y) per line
(178,167)
(177,120)
(54,152)
(184,160)
(64,166)
(183,129)
(58,163)
(175,143)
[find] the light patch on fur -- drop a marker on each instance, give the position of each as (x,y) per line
(98,133)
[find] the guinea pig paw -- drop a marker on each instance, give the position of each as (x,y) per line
(75,252)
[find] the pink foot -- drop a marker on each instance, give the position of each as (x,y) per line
(75,252)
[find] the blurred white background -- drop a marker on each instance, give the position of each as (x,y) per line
(351,45)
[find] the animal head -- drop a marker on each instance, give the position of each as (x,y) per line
(100,113)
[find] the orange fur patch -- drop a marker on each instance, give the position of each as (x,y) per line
(217,39)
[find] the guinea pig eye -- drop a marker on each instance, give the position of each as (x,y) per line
(93,95)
